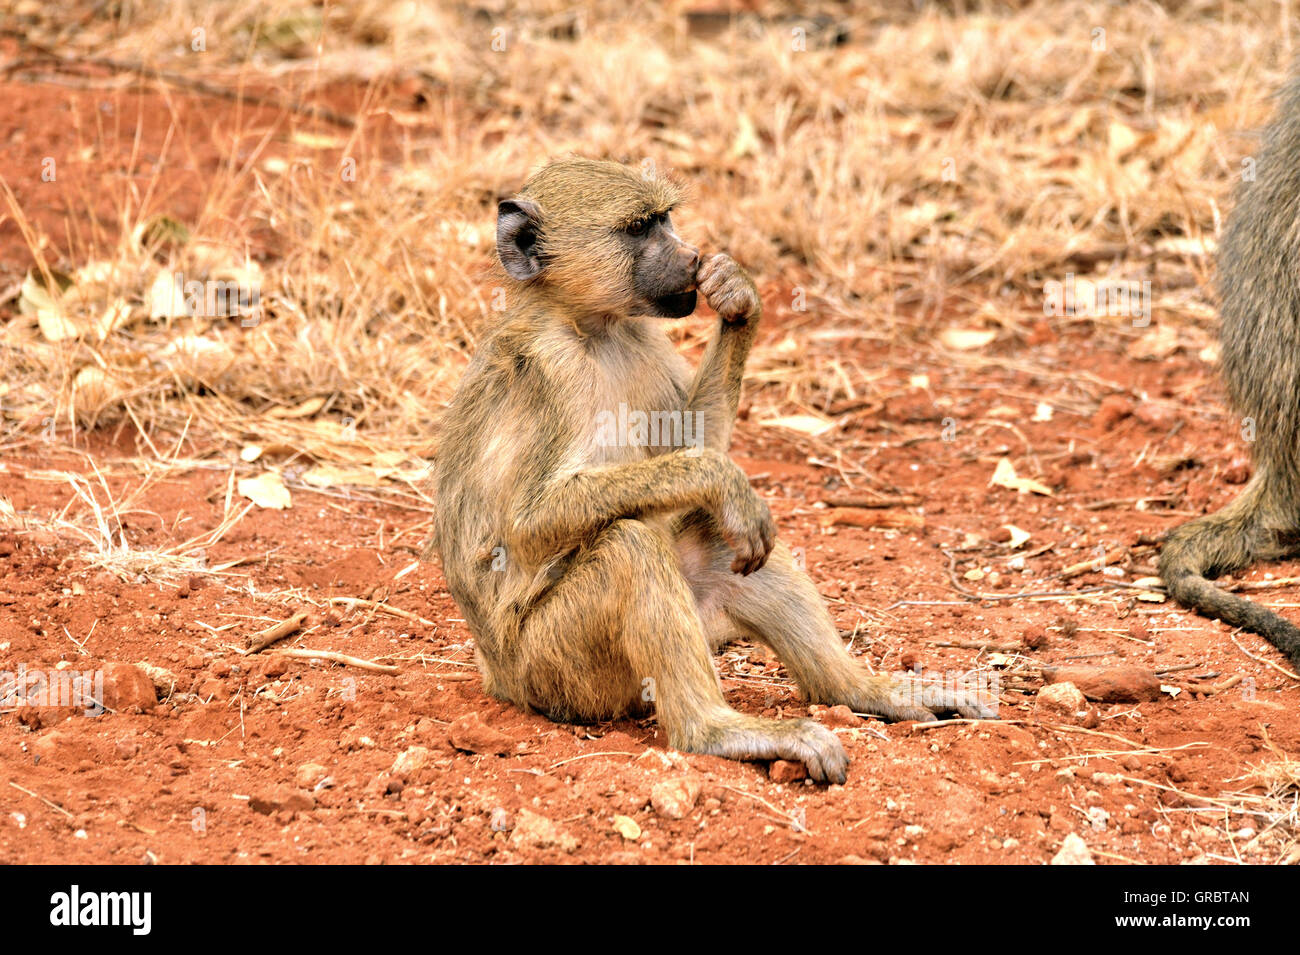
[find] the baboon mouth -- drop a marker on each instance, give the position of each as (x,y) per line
(676,306)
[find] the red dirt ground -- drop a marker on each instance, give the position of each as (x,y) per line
(212,772)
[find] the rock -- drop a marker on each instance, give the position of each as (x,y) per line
(627,827)
(126,686)
(1060,699)
(857,860)
(535,831)
(164,681)
(1115,684)
(126,748)
(1074,851)
(281,799)
(674,798)
(275,667)
(309,775)
(411,761)
(785,771)
(1034,637)
(472,735)
(1238,470)
(56,748)
(841,715)
(210,691)
(653,759)
(1112,410)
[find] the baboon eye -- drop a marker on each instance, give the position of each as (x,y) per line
(638,227)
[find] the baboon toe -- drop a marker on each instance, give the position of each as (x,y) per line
(819,750)
(902,700)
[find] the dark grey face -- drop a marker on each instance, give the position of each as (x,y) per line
(663,273)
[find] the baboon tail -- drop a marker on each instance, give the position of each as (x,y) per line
(1247,530)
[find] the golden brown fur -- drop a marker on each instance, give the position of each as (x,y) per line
(597,578)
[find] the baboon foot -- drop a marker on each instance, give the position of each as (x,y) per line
(896,699)
(801,741)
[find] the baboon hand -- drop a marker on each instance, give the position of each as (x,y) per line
(745,523)
(897,699)
(728,289)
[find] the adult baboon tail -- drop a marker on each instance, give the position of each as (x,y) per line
(1249,529)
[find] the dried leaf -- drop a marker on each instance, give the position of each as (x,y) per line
(966,339)
(746,142)
(56,326)
(265,490)
(1018,536)
(334,475)
(304,410)
(1005,476)
(1149,596)
(36,295)
(808,424)
(1157,343)
(167,297)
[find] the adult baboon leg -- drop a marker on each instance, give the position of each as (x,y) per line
(779,605)
(622,623)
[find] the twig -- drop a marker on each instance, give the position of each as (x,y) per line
(355,602)
(1027,594)
(574,759)
(1280,669)
(264,638)
(1265,584)
(1214,688)
(780,812)
(51,804)
(853,500)
(333,656)
(1146,751)
(1111,558)
(1063,727)
(976,645)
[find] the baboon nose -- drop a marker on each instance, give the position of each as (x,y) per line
(690,258)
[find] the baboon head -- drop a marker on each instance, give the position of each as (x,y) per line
(599,237)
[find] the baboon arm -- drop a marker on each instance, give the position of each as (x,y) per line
(572,509)
(714,394)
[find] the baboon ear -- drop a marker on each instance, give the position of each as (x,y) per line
(518,222)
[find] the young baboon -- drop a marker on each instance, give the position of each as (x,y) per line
(1259,284)
(596,567)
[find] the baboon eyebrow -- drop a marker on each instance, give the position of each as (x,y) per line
(646,214)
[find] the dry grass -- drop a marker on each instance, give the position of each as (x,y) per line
(931,171)
(935,168)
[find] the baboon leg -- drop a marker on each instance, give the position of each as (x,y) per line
(621,627)
(779,605)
